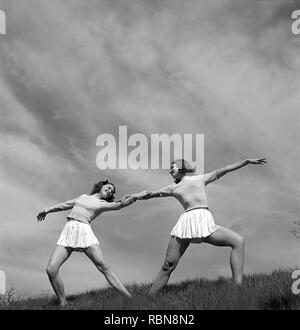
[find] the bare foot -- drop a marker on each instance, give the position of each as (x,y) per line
(62,304)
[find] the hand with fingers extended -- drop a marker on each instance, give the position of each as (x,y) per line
(257,161)
(41,216)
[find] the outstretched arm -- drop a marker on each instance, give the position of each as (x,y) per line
(56,208)
(164,192)
(124,202)
(212,176)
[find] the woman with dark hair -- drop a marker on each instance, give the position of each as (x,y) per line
(77,234)
(196,224)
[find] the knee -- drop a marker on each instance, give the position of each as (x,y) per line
(240,242)
(169,265)
(103,267)
(51,271)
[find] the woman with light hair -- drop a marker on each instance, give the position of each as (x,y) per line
(77,234)
(196,224)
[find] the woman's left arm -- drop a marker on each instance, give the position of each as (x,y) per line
(212,176)
(163,192)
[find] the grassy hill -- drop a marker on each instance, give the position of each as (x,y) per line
(259,291)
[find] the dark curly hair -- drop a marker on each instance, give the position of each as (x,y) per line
(98,186)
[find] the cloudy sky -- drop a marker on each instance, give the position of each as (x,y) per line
(72,70)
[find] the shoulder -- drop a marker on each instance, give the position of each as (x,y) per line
(104,203)
(197,177)
(106,206)
(170,187)
(87,198)
(83,196)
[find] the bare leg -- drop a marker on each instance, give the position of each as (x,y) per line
(95,254)
(175,250)
(227,237)
(59,255)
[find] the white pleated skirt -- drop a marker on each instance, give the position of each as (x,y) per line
(77,235)
(195,225)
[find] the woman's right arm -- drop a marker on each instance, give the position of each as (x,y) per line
(124,202)
(67,205)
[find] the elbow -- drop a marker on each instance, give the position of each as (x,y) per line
(220,173)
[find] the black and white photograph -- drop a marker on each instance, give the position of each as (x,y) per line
(149,157)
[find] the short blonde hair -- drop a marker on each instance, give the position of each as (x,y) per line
(184,166)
